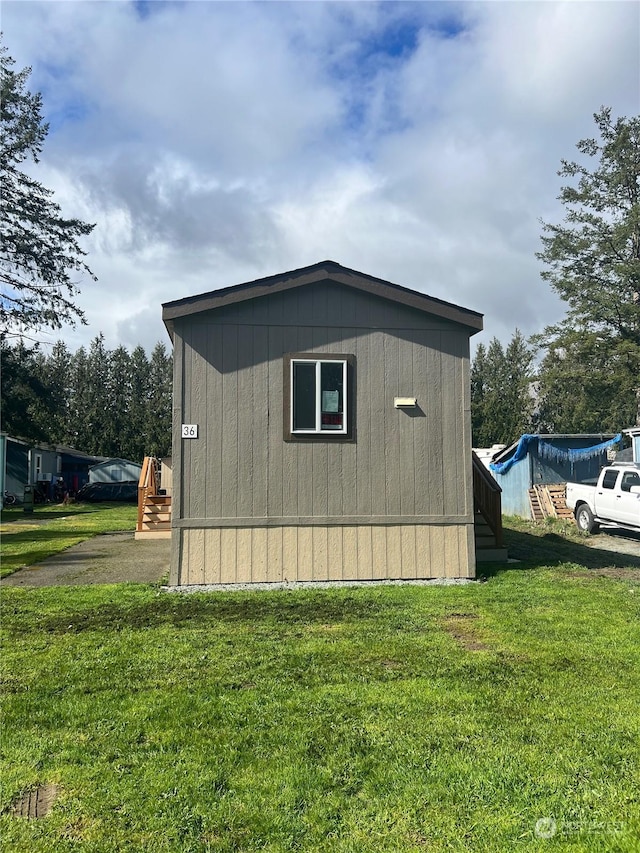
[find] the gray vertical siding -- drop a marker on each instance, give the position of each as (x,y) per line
(409,467)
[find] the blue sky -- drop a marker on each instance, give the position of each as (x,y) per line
(214,142)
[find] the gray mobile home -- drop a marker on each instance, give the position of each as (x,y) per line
(115,470)
(321,431)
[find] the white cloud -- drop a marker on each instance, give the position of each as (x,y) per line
(216,142)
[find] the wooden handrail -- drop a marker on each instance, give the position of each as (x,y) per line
(147,485)
(487,498)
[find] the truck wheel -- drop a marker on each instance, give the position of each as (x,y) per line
(584,519)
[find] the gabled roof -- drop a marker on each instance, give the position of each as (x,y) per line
(323,271)
(116,459)
(61,449)
(78,454)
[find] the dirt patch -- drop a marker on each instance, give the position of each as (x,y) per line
(461,627)
(617,574)
(35,803)
(109,558)
(392,664)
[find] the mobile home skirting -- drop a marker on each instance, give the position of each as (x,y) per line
(317,552)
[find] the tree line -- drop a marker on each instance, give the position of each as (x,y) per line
(513,393)
(100,401)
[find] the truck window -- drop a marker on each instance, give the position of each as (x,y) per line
(609,479)
(629,478)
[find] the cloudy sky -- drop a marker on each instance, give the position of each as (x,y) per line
(217,142)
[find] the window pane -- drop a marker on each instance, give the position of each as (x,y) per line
(332,395)
(304,395)
(629,478)
(609,479)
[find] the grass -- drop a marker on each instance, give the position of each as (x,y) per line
(30,538)
(376,719)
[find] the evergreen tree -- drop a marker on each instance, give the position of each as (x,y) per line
(119,432)
(95,415)
(160,402)
(478,389)
(54,373)
(139,415)
(23,393)
(104,402)
(39,250)
(592,261)
(501,399)
(582,388)
(80,428)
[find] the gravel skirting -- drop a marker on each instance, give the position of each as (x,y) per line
(257,587)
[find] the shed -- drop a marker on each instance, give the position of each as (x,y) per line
(544,460)
(115,471)
(321,431)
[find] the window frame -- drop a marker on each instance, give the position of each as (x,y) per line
(629,479)
(346,434)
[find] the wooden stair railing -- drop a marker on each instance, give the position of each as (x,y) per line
(487,498)
(147,485)
(154,509)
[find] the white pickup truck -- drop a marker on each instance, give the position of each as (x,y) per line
(614,500)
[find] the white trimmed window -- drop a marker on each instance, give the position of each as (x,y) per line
(318,396)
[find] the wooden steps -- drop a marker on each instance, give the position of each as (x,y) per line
(154,509)
(156,518)
(487,548)
(487,522)
(549,502)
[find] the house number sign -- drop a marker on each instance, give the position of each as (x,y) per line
(189,430)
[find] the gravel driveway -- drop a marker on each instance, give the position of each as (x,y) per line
(614,539)
(108,558)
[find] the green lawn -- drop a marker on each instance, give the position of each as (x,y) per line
(29,538)
(447,718)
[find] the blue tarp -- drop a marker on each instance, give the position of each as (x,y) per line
(521,451)
(547,450)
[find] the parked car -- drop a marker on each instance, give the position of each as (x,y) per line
(615,499)
(94,492)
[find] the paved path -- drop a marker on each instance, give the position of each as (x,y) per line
(109,558)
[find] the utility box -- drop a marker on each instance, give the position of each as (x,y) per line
(27,500)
